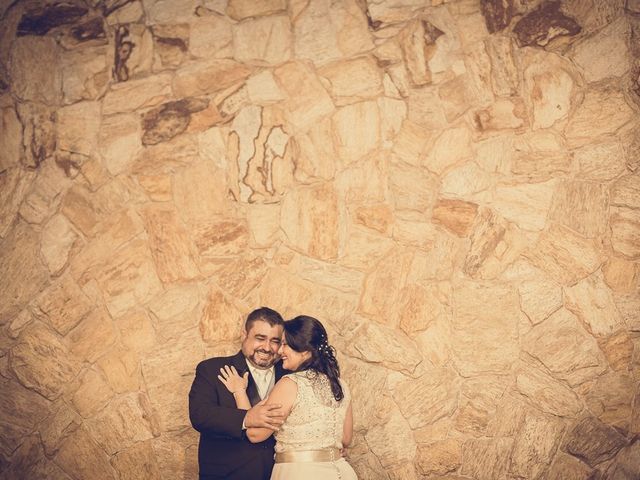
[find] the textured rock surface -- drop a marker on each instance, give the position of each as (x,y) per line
(451,186)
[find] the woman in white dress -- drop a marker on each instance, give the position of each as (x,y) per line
(319,422)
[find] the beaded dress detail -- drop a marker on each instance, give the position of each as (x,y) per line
(316,419)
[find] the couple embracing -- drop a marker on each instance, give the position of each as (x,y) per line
(260,418)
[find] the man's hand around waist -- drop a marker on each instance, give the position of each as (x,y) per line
(264,416)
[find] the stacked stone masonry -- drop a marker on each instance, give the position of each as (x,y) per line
(452,186)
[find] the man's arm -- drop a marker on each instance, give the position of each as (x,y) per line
(208,416)
(206,413)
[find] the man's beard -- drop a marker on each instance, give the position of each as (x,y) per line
(263,361)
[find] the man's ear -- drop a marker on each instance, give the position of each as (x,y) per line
(243,334)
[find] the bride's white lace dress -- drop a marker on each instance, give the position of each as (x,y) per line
(314,424)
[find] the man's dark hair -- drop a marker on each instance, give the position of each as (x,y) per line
(264,314)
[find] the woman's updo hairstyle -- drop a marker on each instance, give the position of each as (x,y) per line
(304,334)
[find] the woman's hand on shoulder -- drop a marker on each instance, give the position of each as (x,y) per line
(231,379)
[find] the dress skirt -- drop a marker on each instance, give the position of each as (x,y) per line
(336,470)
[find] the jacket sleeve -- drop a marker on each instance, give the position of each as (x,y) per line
(205,412)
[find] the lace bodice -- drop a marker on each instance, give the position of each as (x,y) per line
(316,419)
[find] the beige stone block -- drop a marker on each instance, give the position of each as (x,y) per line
(263,41)
(593,441)
(137,461)
(120,141)
(466,180)
(23,275)
(393,113)
(383,286)
(600,161)
(137,94)
(567,467)
(437,390)
(566,256)
(504,72)
(175,310)
(157,187)
(421,306)
(592,302)
(605,102)
(240,9)
(434,343)
(62,422)
(92,395)
(392,442)
(628,305)
(411,141)
(604,54)
(263,89)
(35,69)
(310,219)
(18,324)
(22,409)
(283,292)
(140,60)
(81,457)
(127,13)
(581,206)
(125,422)
(363,378)
(221,320)
(565,348)
(457,216)
(493,331)
(625,192)
(412,188)
(353,80)
(208,76)
(170,244)
(324,32)
(88,210)
(486,459)
(625,231)
(541,165)
(535,444)
(316,155)
(426,108)
(93,336)
(618,348)
(378,217)
(503,114)
(478,404)
(63,305)
(495,244)
(10,138)
(239,276)
(380,344)
(211,37)
(440,457)
(307,101)
(117,229)
(168,373)
(539,298)
(357,130)
(169,11)
(42,362)
(526,205)
(78,126)
(549,89)
(610,398)
(620,274)
(121,368)
(57,240)
(136,331)
(451,147)
(85,73)
(364,248)
(199,193)
(263,223)
(176,453)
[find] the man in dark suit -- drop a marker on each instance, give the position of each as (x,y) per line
(224,450)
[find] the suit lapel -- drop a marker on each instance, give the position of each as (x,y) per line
(252,389)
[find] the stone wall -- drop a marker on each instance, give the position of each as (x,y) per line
(451,186)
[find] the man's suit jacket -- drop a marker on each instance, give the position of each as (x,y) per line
(224,450)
